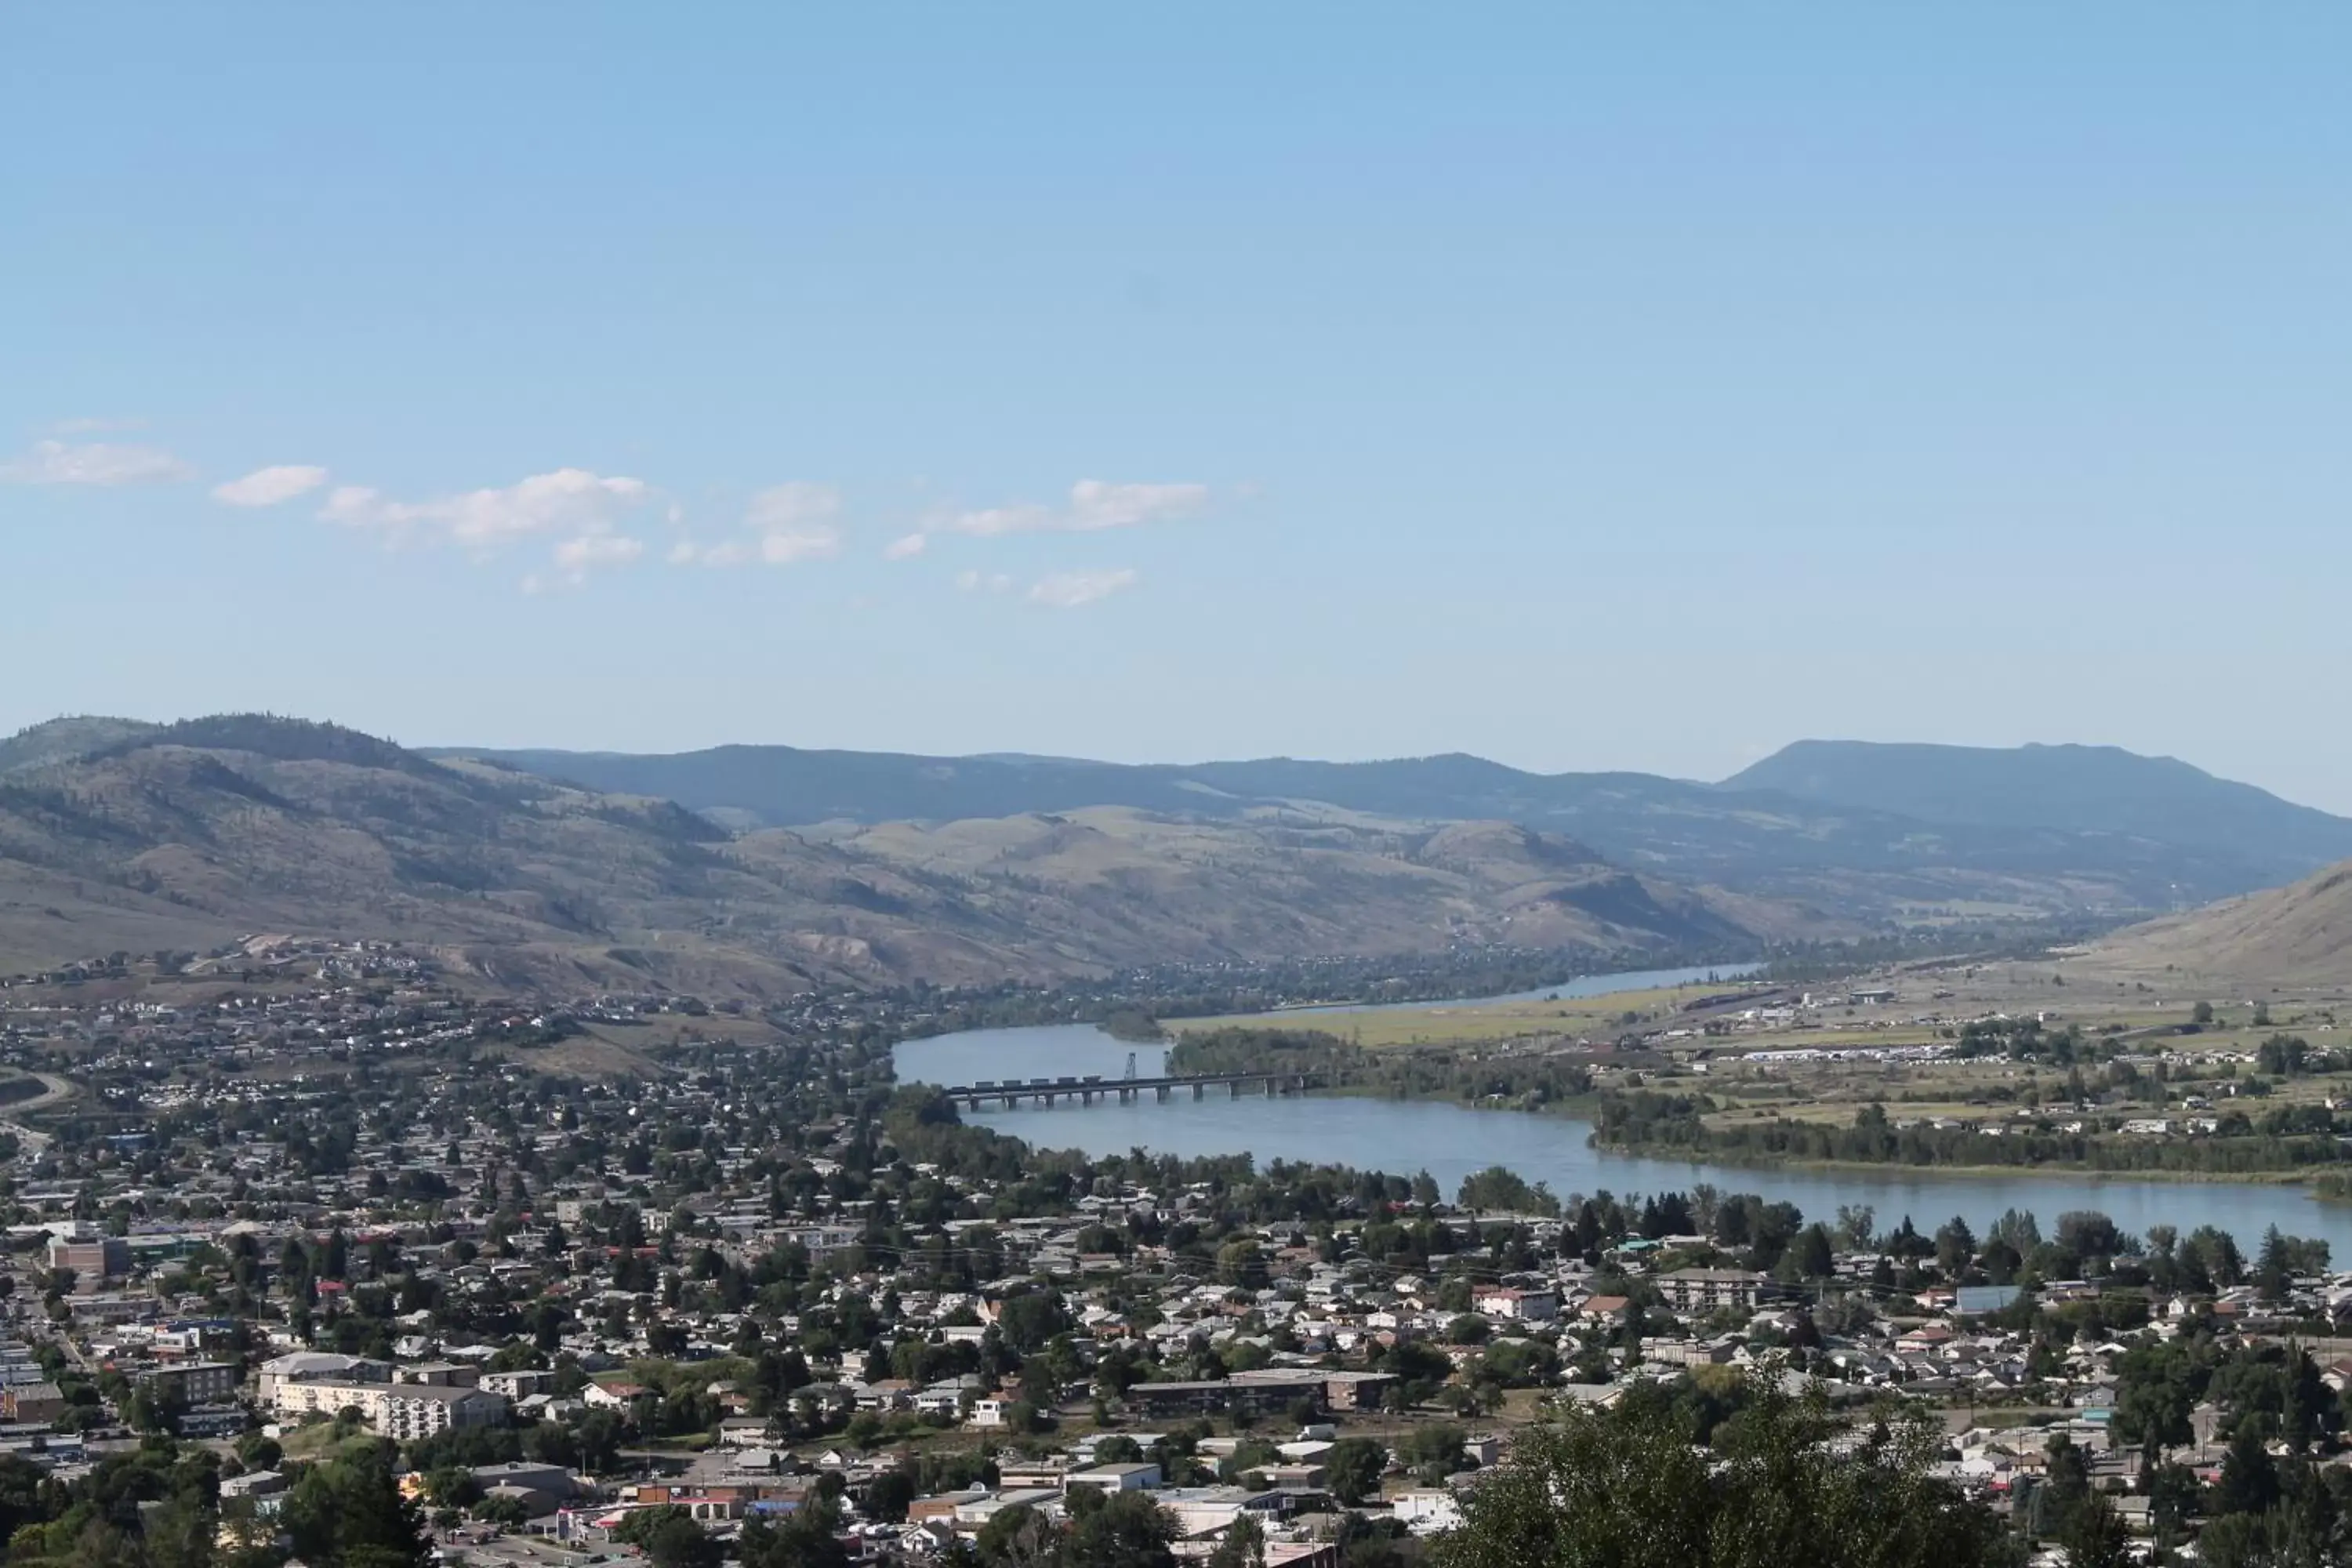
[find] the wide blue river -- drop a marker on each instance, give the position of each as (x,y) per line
(1450,1141)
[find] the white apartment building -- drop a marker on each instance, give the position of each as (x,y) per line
(398,1410)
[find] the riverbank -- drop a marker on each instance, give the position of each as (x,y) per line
(1584,1109)
(2292,1176)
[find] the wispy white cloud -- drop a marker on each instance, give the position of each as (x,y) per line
(792,506)
(970,581)
(584,509)
(569,500)
(784,525)
(1094,505)
(1069,590)
(269,487)
(95,426)
(905,547)
(94,463)
(597,550)
(575,558)
(991,522)
(809,542)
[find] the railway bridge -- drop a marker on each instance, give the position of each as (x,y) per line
(1012,1093)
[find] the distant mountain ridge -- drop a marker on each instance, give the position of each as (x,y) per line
(184,837)
(2078,789)
(1866,829)
(1856,833)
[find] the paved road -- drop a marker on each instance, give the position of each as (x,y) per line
(33,1143)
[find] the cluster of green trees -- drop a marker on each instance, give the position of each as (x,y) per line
(2263,1509)
(1647,1120)
(669,1537)
(160,1507)
(1772,1484)
(2292,1055)
(1735,1469)
(1125,1530)
(1519,1080)
(2026,1040)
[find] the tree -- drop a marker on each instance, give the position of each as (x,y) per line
(1015,1537)
(2173,1496)
(1030,1318)
(1128,1530)
(2095,1536)
(1366,1542)
(1854,1221)
(682,1543)
(2156,1389)
(350,1514)
(2065,1490)
(1956,1244)
(1811,1257)
(804,1539)
(1242,1264)
(1624,1487)
(1244,1545)
(1432,1453)
(1469,1329)
(889,1495)
(1354,1467)
(2249,1476)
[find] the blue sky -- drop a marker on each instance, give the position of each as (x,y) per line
(1586,387)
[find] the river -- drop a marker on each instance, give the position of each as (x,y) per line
(1450,1141)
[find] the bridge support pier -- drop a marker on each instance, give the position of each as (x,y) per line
(1161,1090)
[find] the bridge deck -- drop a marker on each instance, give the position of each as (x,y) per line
(1071,1086)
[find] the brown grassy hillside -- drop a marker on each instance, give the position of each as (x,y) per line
(2299,936)
(190,835)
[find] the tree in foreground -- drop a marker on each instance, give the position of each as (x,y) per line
(804,1539)
(350,1514)
(1785,1485)
(1128,1530)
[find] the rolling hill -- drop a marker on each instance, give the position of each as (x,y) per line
(2298,936)
(2079,831)
(189,835)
